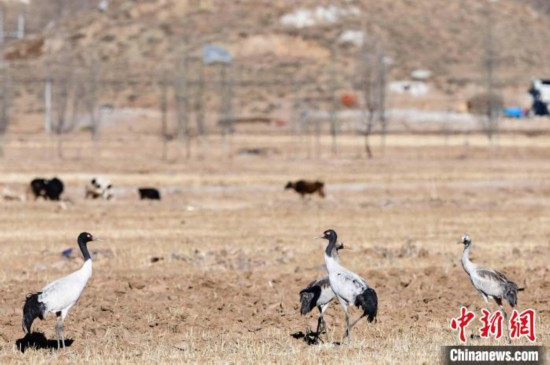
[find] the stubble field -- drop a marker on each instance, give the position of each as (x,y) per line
(232,249)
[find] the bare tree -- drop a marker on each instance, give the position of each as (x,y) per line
(226,104)
(92,92)
(4,87)
(199,108)
(78,96)
(164,113)
(493,108)
(372,71)
(181,96)
(62,74)
(61,100)
(4,103)
(333,100)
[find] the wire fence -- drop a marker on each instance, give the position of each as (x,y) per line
(192,100)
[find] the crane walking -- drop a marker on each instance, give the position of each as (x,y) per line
(489,282)
(348,287)
(319,294)
(60,295)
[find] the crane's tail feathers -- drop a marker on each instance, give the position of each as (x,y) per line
(306,299)
(368,301)
(511,293)
(33,308)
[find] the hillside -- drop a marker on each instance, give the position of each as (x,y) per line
(286,39)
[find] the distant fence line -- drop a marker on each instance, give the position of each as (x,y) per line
(194,100)
(193,106)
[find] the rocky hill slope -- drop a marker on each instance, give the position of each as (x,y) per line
(449,38)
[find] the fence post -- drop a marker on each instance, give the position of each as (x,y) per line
(163,109)
(48,106)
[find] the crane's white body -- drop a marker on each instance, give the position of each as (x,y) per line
(327,295)
(60,295)
(348,287)
(345,284)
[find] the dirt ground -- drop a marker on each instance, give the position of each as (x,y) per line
(232,249)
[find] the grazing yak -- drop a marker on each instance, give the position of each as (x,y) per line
(99,188)
(149,193)
(47,189)
(304,187)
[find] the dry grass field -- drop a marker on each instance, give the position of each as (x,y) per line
(233,249)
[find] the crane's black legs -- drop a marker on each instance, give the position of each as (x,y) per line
(506,323)
(348,328)
(502,309)
(320,325)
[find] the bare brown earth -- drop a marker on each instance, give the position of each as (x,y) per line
(235,249)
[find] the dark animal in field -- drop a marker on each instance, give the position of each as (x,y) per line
(304,187)
(99,188)
(47,189)
(38,187)
(149,193)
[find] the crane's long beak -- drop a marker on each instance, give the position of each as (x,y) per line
(97,239)
(347,247)
(316,237)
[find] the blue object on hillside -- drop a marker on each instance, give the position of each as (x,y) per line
(215,54)
(513,112)
(67,253)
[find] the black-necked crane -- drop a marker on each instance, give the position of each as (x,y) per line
(489,282)
(60,295)
(348,287)
(319,294)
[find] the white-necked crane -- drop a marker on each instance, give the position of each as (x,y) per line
(319,294)
(60,295)
(348,287)
(489,282)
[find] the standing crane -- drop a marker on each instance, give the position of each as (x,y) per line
(319,294)
(348,287)
(60,295)
(489,282)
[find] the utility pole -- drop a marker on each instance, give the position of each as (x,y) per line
(333,101)
(492,103)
